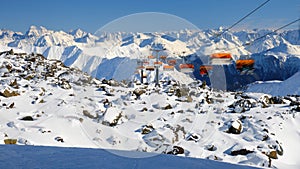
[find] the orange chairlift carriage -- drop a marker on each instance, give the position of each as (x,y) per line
(139,69)
(140,65)
(163,57)
(168,68)
(172,62)
(220,59)
(157,64)
(150,68)
(146,62)
(205,69)
(186,68)
(244,64)
(151,57)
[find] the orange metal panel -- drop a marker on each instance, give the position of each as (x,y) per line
(146,63)
(157,63)
(221,55)
(140,67)
(168,68)
(163,57)
(244,63)
(172,62)
(186,66)
(204,69)
(150,68)
(151,57)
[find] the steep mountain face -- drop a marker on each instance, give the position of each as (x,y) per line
(292,36)
(277,55)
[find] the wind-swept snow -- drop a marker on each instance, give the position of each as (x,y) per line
(289,86)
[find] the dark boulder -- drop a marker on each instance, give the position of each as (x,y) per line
(27,118)
(241,152)
(176,150)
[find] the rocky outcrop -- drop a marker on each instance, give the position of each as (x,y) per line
(8,93)
(27,118)
(236,127)
(176,150)
(241,152)
(10,141)
(138,92)
(147,129)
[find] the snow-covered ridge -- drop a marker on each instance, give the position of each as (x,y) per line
(277,55)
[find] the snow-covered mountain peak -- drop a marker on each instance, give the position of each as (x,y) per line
(6,35)
(35,31)
(285,49)
(78,33)
(90,52)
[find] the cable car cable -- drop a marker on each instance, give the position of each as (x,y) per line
(260,6)
(277,29)
(251,42)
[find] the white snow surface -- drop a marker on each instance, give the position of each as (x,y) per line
(68,108)
(290,86)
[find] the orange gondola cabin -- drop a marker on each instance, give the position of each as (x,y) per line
(157,64)
(168,68)
(145,63)
(204,69)
(151,57)
(186,68)
(221,58)
(150,68)
(172,62)
(140,67)
(221,55)
(245,64)
(163,57)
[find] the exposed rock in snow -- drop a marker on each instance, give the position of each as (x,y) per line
(236,127)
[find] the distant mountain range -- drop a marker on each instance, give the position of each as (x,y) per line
(277,55)
(45,103)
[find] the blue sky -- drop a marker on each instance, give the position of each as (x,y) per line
(90,15)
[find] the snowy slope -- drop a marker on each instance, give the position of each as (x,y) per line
(45,103)
(278,88)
